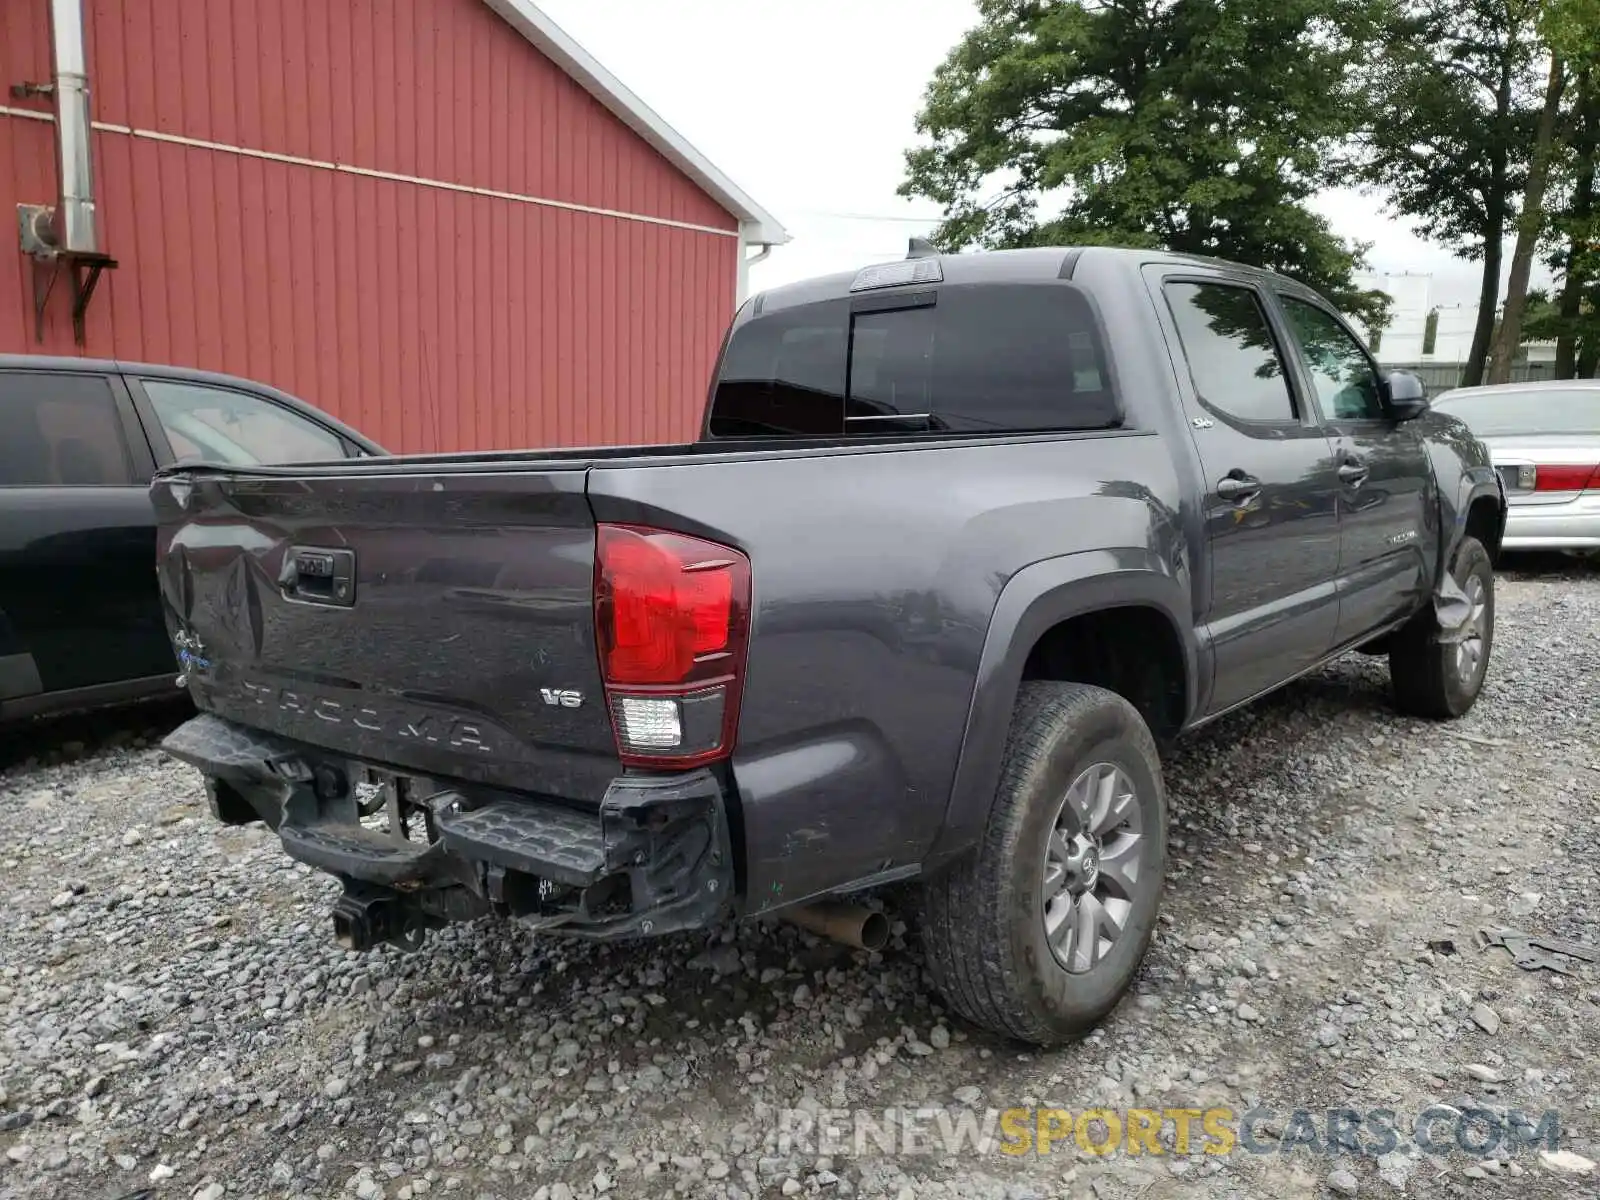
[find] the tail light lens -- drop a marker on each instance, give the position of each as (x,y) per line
(672,617)
(1566,478)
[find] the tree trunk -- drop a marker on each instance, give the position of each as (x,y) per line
(1566,342)
(1572,288)
(1495,204)
(1583,198)
(1488,296)
(1529,224)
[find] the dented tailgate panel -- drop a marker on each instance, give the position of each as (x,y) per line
(438,622)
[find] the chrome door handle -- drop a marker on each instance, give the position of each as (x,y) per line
(1353,473)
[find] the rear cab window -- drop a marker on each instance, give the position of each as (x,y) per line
(61,430)
(957,359)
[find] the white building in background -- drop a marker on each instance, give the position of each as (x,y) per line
(1404,339)
(1401,340)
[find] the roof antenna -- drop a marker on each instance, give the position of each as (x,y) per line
(922,248)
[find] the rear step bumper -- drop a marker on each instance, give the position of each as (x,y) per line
(656,858)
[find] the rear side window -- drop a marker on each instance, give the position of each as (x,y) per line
(211,424)
(964,359)
(60,431)
(1232,355)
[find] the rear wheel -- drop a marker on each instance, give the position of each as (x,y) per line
(1442,679)
(1039,933)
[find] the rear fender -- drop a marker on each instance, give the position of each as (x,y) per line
(1033,601)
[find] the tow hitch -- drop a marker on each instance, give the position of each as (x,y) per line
(366,917)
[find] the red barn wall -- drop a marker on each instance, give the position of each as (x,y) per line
(283,248)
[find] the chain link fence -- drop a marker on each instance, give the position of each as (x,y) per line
(1440,377)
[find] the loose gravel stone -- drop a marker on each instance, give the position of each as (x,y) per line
(1565,1162)
(1344,1183)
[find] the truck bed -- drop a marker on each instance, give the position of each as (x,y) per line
(585,458)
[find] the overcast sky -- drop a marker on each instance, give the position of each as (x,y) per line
(809,107)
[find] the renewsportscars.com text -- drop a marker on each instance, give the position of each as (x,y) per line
(1439,1129)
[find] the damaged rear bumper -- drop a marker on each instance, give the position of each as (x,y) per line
(414,853)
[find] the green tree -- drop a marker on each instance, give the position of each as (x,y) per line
(1571,33)
(1201,126)
(1547,320)
(1451,99)
(1576,314)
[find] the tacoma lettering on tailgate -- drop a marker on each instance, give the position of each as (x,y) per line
(454,732)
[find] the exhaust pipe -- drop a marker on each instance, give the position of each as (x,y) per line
(849,924)
(75,227)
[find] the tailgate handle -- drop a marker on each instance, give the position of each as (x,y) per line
(316,576)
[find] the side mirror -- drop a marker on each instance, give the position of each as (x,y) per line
(1404,395)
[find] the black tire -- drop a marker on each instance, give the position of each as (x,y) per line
(1429,677)
(983,919)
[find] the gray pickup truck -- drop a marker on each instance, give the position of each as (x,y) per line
(965,539)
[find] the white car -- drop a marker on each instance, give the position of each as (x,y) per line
(1544,439)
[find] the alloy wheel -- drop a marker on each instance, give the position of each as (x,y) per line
(1092,866)
(1469,650)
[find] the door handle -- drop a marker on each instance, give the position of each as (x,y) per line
(1239,488)
(1353,472)
(319,576)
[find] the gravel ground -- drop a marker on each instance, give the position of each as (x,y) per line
(175,1017)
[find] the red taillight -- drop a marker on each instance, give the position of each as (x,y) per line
(671,616)
(1566,478)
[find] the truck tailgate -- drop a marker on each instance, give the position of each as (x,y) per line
(440,622)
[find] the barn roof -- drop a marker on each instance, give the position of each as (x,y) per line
(757,225)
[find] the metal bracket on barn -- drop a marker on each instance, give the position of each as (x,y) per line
(83,268)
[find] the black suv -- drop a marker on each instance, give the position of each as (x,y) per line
(80,620)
